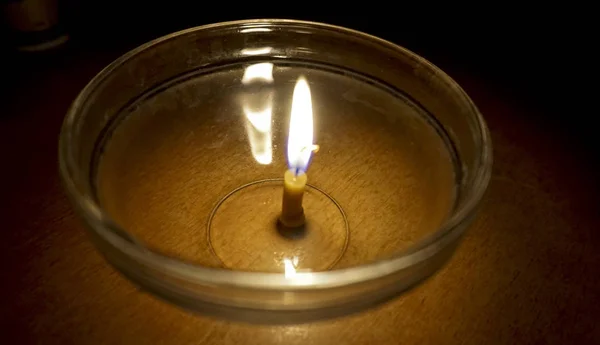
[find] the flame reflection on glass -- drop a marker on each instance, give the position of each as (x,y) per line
(300,138)
(258,72)
(289,266)
(258,110)
(257,51)
(247,30)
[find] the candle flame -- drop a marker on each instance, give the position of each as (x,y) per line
(300,139)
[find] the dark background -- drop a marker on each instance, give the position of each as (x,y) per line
(536,55)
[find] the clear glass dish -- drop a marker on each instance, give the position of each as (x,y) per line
(174,157)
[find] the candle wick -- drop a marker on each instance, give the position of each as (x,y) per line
(313,148)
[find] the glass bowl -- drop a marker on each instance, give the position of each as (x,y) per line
(174,156)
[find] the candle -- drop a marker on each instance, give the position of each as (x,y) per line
(292,212)
(299,151)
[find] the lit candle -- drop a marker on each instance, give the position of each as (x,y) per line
(299,150)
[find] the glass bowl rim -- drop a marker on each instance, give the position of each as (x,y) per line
(107,229)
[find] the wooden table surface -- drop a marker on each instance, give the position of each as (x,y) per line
(528,272)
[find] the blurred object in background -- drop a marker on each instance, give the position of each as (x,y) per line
(33,25)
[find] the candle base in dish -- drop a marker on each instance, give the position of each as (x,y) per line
(244,231)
